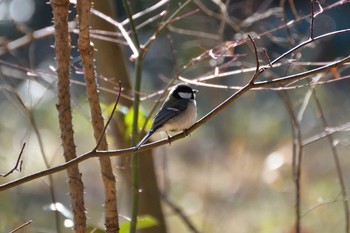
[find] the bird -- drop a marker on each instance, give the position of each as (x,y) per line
(178,112)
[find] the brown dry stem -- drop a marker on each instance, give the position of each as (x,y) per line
(87,55)
(62,49)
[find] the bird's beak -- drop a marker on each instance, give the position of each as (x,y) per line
(195,90)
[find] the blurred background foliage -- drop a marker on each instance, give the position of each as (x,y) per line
(234,173)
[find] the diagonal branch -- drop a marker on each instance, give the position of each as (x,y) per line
(203,120)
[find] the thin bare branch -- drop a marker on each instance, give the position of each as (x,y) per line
(121,29)
(337,164)
(257,66)
(18,162)
(179,212)
(321,205)
(21,226)
(110,117)
(326,132)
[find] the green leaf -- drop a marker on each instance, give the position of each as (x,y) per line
(144,221)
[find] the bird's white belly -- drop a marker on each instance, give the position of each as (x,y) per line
(183,120)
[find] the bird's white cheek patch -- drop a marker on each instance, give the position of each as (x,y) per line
(185,95)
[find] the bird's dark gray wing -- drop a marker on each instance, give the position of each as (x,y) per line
(166,113)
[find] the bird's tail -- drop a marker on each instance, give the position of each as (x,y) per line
(143,140)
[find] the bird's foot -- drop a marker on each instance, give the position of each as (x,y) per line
(186,132)
(169,138)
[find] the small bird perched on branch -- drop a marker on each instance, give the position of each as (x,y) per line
(178,112)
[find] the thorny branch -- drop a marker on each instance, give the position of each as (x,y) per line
(62,50)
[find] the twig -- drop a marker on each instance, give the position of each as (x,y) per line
(16,98)
(337,164)
(21,226)
(313,15)
(110,117)
(308,42)
(164,25)
(131,23)
(267,57)
(257,64)
(297,156)
(293,8)
(320,205)
(272,63)
(325,133)
(302,75)
(312,19)
(134,132)
(267,83)
(142,50)
(18,163)
(149,146)
(121,29)
(179,212)
(146,11)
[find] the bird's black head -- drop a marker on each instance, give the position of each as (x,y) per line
(183,91)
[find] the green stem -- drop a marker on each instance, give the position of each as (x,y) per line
(134,137)
(137,88)
(134,133)
(131,21)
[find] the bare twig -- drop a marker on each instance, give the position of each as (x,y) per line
(297,157)
(21,226)
(179,212)
(121,29)
(178,136)
(312,6)
(321,205)
(313,15)
(16,99)
(17,166)
(267,57)
(257,63)
(326,132)
(110,117)
(337,164)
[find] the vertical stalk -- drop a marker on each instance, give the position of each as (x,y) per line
(337,163)
(62,50)
(134,138)
(135,126)
(87,55)
(296,159)
(137,88)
